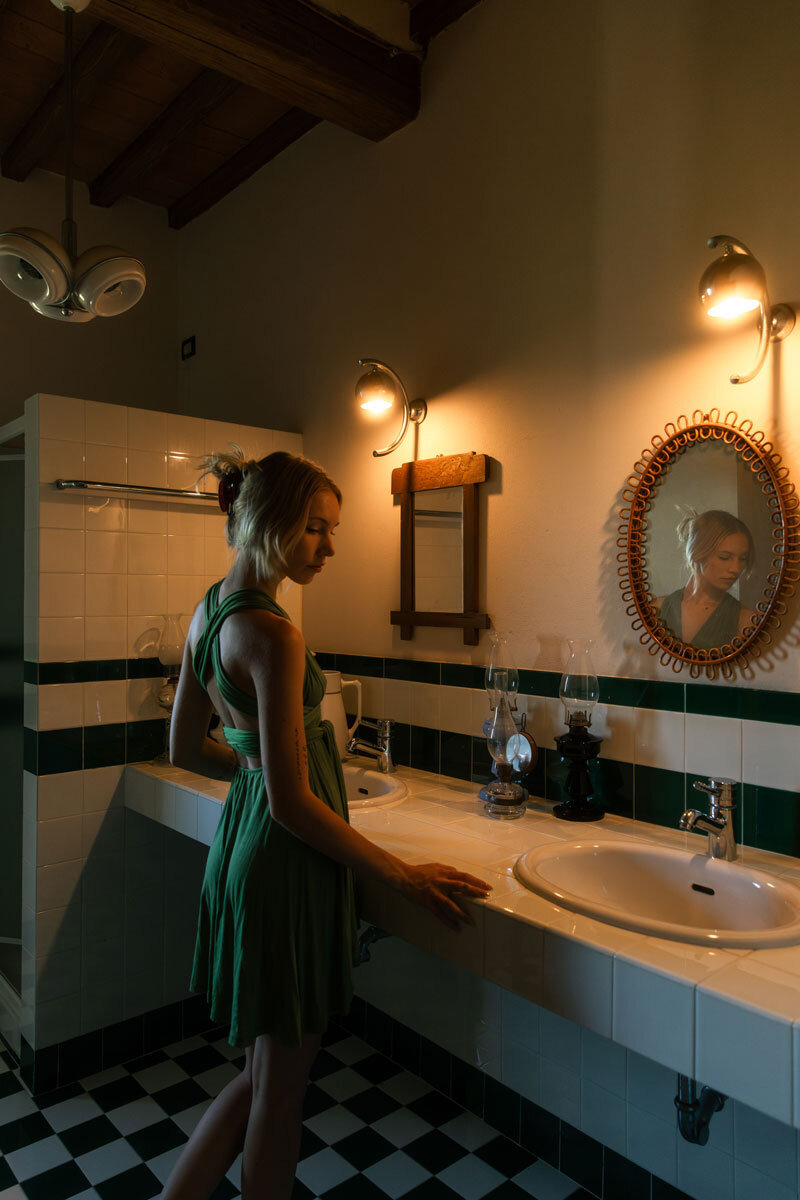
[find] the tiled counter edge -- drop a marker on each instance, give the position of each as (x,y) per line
(728,1017)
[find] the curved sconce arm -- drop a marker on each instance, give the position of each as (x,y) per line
(415,412)
(763,344)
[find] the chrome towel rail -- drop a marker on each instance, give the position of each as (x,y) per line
(134,489)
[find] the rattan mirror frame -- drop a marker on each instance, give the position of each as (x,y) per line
(782,502)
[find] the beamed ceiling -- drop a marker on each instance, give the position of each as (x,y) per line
(177,102)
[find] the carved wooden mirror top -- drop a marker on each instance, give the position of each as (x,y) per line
(709,545)
(439,543)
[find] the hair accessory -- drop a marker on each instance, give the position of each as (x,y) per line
(228,490)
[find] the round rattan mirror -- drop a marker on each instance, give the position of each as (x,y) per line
(709,547)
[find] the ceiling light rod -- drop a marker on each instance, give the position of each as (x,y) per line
(416,411)
(735,284)
(69,230)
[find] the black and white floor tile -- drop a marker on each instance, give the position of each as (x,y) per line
(372,1130)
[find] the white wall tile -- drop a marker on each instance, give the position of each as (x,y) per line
(30,705)
(185,555)
(60,705)
(184,593)
(185,435)
(106,595)
(183,471)
(760,1071)
(58,929)
(654,1015)
(147,468)
(769,755)
(147,516)
(147,594)
(560,1091)
(256,443)
(704,1171)
(766,1145)
(108,514)
(102,832)
(60,460)
(147,430)
(513,955)
(58,974)
(521,1069)
(105,552)
(147,553)
(105,638)
(61,595)
(604,1116)
(61,639)
(59,885)
(142,700)
(185,812)
(186,519)
(106,464)
(61,550)
(752,1185)
(221,436)
(103,788)
(615,724)
(104,702)
(209,814)
(713,746)
(58,1020)
(651,1087)
(60,795)
(58,841)
(604,1062)
(101,1005)
(456,710)
(659,739)
(425,699)
(106,423)
(62,417)
(57,510)
(652,1143)
(397,700)
(577,983)
(560,1040)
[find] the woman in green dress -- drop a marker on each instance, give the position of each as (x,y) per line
(276,934)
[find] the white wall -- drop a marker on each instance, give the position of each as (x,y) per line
(132,359)
(526,255)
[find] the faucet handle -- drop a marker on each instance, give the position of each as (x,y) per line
(721,789)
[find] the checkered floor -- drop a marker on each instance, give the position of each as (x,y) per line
(372,1131)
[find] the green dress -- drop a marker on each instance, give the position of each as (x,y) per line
(720,629)
(276,938)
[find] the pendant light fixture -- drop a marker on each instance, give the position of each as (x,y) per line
(103,281)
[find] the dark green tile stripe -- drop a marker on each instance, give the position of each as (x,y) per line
(54,751)
(91,671)
(781,708)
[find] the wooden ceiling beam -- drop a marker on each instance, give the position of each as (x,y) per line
(191,106)
(275,138)
(103,52)
(296,53)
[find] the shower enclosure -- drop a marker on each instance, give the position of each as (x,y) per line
(12,538)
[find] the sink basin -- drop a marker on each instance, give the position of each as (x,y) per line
(368,789)
(666,892)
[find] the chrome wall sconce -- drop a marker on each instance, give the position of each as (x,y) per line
(735,284)
(377,390)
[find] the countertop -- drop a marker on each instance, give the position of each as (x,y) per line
(727,1017)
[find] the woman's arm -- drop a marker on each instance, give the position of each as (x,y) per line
(278,678)
(188,745)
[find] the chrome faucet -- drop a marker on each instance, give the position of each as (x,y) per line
(718,823)
(380,749)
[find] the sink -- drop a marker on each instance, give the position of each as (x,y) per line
(368,789)
(665,892)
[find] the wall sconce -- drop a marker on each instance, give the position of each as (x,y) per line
(735,284)
(377,390)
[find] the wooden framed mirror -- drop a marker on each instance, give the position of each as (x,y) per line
(709,546)
(439,544)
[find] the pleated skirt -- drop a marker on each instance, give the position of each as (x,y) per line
(277,937)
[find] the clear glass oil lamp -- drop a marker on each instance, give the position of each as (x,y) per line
(504,800)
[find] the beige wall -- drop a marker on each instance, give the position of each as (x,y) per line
(527,256)
(132,359)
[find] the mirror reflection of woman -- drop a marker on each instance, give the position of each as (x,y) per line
(719,550)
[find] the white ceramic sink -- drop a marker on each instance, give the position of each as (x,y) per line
(666,892)
(371,789)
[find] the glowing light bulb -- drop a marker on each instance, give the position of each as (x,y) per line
(732,307)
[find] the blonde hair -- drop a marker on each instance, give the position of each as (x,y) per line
(269,503)
(701,533)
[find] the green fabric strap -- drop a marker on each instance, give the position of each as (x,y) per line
(206,657)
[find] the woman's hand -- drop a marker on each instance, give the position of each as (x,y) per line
(438,888)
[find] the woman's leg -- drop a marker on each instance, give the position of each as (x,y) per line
(272,1142)
(215,1142)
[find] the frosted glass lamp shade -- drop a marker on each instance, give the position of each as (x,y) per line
(34,266)
(732,285)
